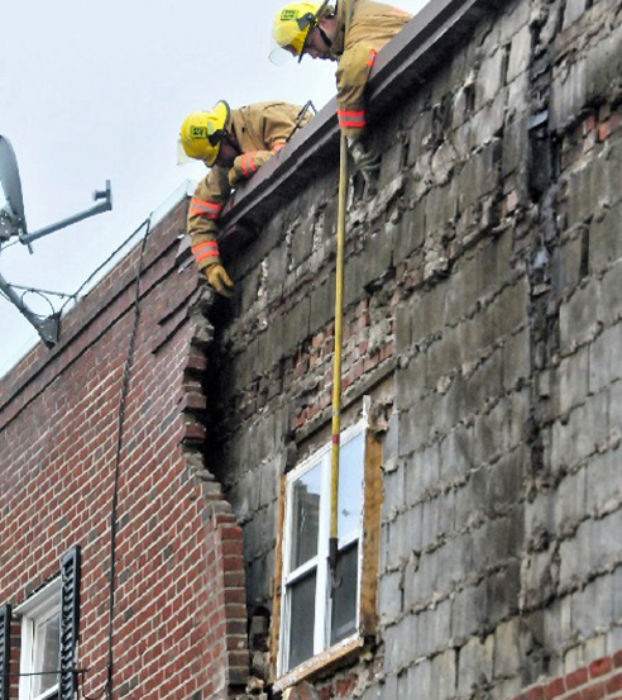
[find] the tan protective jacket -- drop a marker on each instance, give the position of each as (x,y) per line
(371,27)
(261,130)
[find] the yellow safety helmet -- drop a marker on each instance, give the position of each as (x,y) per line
(292,26)
(202,132)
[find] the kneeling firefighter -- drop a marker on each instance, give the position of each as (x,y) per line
(234,144)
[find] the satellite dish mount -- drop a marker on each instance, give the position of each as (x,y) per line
(13,223)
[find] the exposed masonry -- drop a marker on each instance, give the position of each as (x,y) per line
(483,310)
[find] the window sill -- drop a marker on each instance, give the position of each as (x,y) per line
(50,694)
(326,660)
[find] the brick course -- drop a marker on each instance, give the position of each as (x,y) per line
(598,680)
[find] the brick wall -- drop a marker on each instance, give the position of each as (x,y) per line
(601,679)
(482,313)
(180,623)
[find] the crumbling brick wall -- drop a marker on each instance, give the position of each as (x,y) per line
(482,313)
(180,623)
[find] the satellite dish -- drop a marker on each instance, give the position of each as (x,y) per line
(12,220)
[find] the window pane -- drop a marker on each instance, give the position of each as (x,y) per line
(344,605)
(302,619)
(46,653)
(350,486)
(306,494)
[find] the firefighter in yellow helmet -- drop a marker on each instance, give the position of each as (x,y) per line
(234,144)
(318,30)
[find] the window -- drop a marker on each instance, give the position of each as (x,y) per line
(317,617)
(40,646)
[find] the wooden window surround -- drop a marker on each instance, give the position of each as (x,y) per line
(302,518)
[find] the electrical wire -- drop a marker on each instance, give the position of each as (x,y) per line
(117,466)
(41,291)
(44,673)
(82,694)
(44,293)
(81,672)
(112,255)
(107,690)
(76,671)
(8,245)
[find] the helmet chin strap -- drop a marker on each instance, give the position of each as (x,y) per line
(325,38)
(318,16)
(313,22)
(232,139)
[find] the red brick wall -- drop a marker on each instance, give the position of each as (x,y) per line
(600,680)
(180,616)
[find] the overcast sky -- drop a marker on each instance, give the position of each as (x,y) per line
(92,91)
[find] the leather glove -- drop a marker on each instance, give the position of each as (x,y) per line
(235,175)
(366,160)
(219,279)
(246,165)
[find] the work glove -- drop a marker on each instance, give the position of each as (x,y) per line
(236,174)
(246,165)
(366,160)
(219,279)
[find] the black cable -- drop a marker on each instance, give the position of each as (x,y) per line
(82,694)
(120,423)
(146,223)
(74,296)
(115,491)
(76,671)
(11,243)
(42,673)
(34,290)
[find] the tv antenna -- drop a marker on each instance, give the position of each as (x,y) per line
(13,223)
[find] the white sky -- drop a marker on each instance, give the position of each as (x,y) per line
(91,91)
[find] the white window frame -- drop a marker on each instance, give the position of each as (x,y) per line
(40,606)
(321,633)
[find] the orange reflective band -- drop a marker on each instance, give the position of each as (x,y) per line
(278,146)
(208,249)
(248,163)
(372,57)
(351,119)
(200,206)
(205,244)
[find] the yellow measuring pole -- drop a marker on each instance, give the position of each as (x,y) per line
(336,422)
